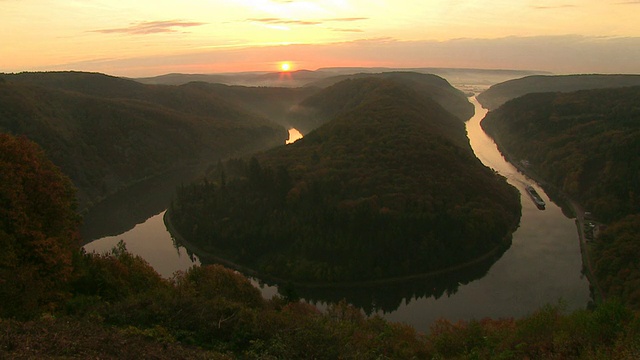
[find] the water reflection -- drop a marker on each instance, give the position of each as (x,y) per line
(123,211)
(152,241)
(387,297)
(294,135)
(542,265)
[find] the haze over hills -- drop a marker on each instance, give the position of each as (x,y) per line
(500,93)
(273,103)
(318,109)
(107,133)
(298,78)
(389,186)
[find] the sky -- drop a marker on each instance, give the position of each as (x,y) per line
(152,37)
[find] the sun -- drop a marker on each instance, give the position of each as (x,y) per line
(285,66)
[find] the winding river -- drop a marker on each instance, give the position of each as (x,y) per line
(542,266)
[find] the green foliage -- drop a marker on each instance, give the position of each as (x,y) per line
(389,187)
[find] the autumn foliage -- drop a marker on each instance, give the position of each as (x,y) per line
(38,227)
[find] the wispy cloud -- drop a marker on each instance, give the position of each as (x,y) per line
(346,19)
(552,7)
(151,27)
(347,30)
(628,3)
(285,21)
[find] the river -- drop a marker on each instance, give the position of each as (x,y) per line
(542,266)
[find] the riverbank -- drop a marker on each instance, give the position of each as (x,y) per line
(566,203)
(209,258)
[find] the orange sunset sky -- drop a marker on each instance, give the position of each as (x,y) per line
(152,37)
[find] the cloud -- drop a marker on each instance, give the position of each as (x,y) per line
(151,27)
(552,7)
(347,30)
(347,19)
(558,54)
(280,21)
(284,21)
(629,3)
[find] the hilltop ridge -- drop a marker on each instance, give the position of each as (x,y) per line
(500,93)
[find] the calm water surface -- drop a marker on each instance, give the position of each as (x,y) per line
(542,266)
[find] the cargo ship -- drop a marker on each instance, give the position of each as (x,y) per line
(536,197)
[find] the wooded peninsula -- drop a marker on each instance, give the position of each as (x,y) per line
(388,186)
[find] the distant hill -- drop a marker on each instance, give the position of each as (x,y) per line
(274,103)
(457,76)
(587,144)
(107,133)
(498,94)
(317,109)
(201,97)
(269,79)
(388,187)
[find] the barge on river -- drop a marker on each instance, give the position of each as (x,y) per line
(536,197)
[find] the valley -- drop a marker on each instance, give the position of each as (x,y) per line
(542,265)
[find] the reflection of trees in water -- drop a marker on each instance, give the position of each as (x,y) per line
(389,296)
(134,205)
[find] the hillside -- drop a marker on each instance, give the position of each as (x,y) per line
(108,133)
(388,187)
(274,103)
(586,143)
(498,94)
(62,303)
(316,110)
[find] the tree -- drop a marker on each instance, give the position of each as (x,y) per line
(38,228)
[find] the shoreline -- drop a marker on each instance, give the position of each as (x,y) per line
(330,285)
(597,295)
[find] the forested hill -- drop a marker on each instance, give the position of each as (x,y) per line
(274,103)
(388,187)
(107,133)
(318,109)
(587,144)
(498,94)
(201,98)
(59,302)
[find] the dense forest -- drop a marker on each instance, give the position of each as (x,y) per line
(296,107)
(59,302)
(586,144)
(107,133)
(502,92)
(316,110)
(388,187)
